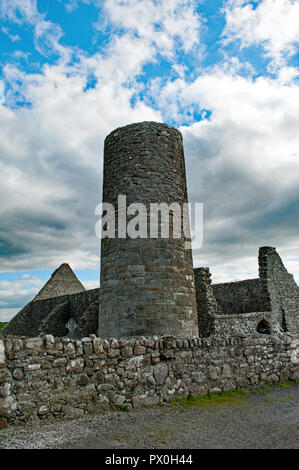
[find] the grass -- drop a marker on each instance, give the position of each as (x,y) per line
(272,386)
(231,396)
(211,398)
(124,408)
(2,324)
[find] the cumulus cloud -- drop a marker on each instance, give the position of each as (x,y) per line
(51,169)
(273,24)
(243,163)
(51,153)
(159,22)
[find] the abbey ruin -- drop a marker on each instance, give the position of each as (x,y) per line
(156,327)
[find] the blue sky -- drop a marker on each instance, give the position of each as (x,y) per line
(225,73)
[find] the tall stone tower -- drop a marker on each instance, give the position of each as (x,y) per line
(147,284)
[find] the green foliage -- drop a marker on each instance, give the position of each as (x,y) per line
(124,408)
(2,324)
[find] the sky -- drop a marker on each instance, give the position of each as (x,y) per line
(225,73)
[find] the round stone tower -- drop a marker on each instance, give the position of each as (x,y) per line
(147,284)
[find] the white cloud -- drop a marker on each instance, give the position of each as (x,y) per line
(7,314)
(18,292)
(51,158)
(2,90)
(273,24)
(242,162)
(162,22)
(12,37)
(91,284)
(46,33)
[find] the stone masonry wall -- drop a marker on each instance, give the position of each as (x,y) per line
(147,284)
(47,377)
(239,325)
(207,306)
(35,317)
(281,290)
(241,296)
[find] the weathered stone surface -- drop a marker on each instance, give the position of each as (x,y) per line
(140,401)
(3,423)
(34,343)
(135,362)
(75,365)
(5,390)
(295,351)
(18,374)
(33,366)
(83,380)
(120,399)
(71,412)
(2,352)
(43,410)
(48,384)
(17,345)
(60,362)
(5,375)
(147,284)
(7,406)
(49,341)
(160,372)
(98,347)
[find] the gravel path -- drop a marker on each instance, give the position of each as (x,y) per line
(259,420)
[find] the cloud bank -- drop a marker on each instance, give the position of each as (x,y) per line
(235,99)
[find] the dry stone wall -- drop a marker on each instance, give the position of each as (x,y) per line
(46,377)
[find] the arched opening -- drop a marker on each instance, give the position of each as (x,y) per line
(263,327)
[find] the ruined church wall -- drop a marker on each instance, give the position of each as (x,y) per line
(240,296)
(281,289)
(239,325)
(47,377)
(29,320)
(211,318)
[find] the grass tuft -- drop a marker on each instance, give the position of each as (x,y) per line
(124,408)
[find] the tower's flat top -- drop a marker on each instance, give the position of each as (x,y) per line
(144,124)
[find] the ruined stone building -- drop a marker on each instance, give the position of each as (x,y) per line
(63,307)
(149,286)
(267,304)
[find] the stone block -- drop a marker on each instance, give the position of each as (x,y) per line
(2,352)
(34,343)
(160,372)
